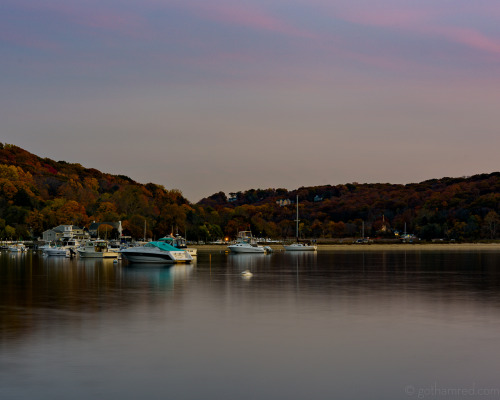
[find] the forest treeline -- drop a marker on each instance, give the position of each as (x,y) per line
(37,194)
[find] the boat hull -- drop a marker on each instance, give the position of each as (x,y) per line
(300,247)
(56,252)
(238,248)
(103,254)
(155,257)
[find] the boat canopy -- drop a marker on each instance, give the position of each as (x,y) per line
(161,245)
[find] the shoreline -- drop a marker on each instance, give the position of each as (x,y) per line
(377,247)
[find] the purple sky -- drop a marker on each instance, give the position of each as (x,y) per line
(231,95)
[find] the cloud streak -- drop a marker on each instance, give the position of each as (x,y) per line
(424,21)
(349,88)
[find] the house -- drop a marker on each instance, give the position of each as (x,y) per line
(284,202)
(65,232)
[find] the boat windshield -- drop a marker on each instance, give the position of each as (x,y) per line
(177,242)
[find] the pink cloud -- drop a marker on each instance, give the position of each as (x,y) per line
(243,15)
(470,38)
(386,18)
(426,21)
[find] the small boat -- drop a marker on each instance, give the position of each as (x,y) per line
(179,242)
(246,274)
(64,248)
(17,248)
(299,246)
(245,243)
(96,249)
(156,252)
(57,251)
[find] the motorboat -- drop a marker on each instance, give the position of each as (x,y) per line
(179,242)
(96,249)
(57,251)
(65,248)
(156,252)
(299,246)
(246,243)
(17,248)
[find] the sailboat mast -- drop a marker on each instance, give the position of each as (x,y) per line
(297,220)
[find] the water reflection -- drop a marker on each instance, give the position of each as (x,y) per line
(162,277)
(325,324)
(241,261)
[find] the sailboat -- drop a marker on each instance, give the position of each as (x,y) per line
(298,246)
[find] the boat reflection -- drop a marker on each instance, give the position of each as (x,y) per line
(163,276)
(241,262)
(301,258)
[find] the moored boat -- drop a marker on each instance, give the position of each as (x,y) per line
(57,251)
(96,249)
(179,242)
(65,248)
(299,246)
(17,248)
(246,243)
(156,252)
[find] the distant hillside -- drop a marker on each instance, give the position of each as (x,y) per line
(463,208)
(38,193)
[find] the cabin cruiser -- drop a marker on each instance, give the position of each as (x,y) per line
(179,243)
(96,249)
(246,243)
(156,252)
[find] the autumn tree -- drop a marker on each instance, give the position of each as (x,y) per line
(492,224)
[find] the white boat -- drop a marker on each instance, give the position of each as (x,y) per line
(17,248)
(66,248)
(245,243)
(156,252)
(299,246)
(179,242)
(96,249)
(57,251)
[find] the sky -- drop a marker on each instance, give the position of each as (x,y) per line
(230,95)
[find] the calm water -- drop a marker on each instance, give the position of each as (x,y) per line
(331,325)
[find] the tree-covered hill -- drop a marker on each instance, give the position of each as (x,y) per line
(38,193)
(463,208)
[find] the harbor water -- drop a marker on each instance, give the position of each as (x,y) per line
(318,325)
